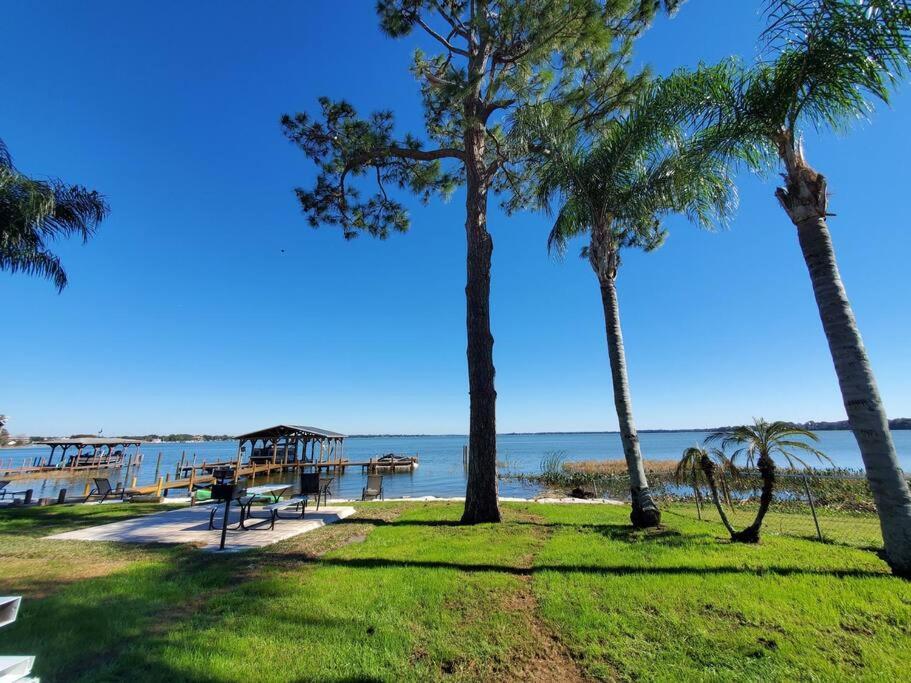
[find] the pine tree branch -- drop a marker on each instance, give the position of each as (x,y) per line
(439,38)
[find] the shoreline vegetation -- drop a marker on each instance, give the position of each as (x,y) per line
(834,488)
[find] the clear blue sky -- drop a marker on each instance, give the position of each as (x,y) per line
(184,314)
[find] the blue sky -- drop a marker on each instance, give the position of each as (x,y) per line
(184,314)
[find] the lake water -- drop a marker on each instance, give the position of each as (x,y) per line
(441,472)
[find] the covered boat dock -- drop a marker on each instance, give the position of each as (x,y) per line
(293,444)
(90,451)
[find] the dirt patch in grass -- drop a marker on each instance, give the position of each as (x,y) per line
(545,657)
(538,655)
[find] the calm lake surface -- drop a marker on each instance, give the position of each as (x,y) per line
(441,472)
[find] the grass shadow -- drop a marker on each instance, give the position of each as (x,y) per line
(616,570)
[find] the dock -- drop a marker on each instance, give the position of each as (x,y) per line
(37,468)
(192,475)
(282,448)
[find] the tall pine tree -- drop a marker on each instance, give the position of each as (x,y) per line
(494,57)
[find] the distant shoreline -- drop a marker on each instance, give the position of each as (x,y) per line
(897,424)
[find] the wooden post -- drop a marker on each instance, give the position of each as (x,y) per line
(158,465)
(806,487)
(88,490)
(237,470)
(158,488)
(190,485)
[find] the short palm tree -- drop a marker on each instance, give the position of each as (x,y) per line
(759,444)
(32,212)
(828,62)
(708,461)
(616,186)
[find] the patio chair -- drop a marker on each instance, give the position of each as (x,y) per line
(374,487)
(104,490)
(4,492)
(312,484)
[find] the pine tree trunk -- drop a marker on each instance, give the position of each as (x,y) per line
(708,469)
(767,472)
(645,512)
(481,501)
(804,199)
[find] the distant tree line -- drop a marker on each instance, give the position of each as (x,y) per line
(184,437)
(151,437)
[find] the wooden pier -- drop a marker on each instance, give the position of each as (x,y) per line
(283,448)
(192,475)
(29,470)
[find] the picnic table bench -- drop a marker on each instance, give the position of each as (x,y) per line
(246,498)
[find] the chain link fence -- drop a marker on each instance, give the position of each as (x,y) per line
(831,505)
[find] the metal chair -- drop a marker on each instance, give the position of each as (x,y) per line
(374,487)
(324,483)
(312,484)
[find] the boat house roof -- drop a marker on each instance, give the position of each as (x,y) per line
(279,431)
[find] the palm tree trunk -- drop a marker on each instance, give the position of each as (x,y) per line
(804,200)
(696,496)
(645,512)
(708,469)
(481,495)
(767,472)
(726,492)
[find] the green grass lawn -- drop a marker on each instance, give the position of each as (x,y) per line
(402,592)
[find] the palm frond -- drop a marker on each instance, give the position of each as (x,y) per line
(636,169)
(767,439)
(32,212)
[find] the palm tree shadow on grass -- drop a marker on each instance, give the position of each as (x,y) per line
(618,532)
(606,570)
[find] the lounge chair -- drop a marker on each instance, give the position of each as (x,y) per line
(374,487)
(104,490)
(4,492)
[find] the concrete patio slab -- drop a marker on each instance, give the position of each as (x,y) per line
(191,525)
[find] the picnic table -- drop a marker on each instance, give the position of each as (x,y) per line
(270,493)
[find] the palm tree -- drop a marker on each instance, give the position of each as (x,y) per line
(616,186)
(708,461)
(35,211)
(759,444)
(829,61)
